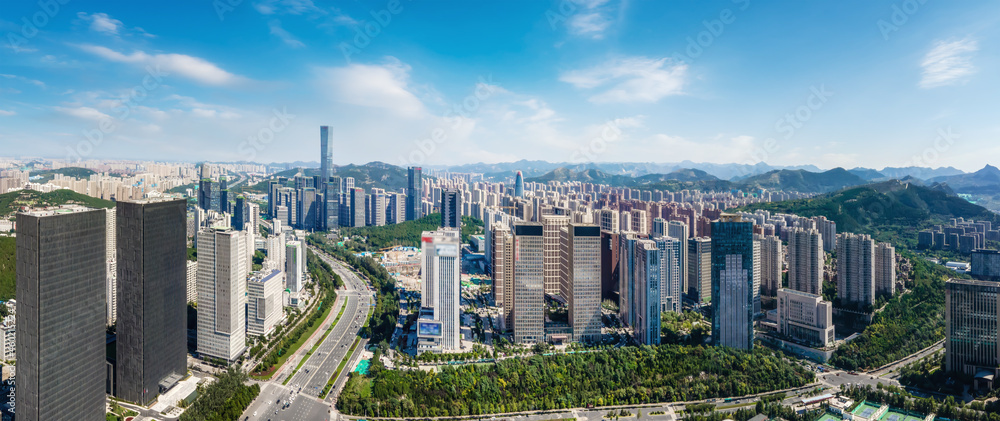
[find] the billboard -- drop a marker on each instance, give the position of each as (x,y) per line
(429,328)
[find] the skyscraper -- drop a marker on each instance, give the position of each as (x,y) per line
(503,272)
(679,230)
(529,284)
(805,260)
(440,289)
(885,269)
(671,255)
(293,265)
(552,224)
(646,293)
(971,328)
(700,270)
(659,228)
(222,293)
(771,263)
(357,207)
(451,208)
(325,154)
(519,185)
(580,270)
(855,269)
(152,315)
(61,293)
(264,307)
(239,213)
(112,260)
(414,194)
(733,283)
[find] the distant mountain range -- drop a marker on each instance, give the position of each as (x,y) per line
(890,210)
(689,178)
(984,181)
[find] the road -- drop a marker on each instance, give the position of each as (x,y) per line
(300,395)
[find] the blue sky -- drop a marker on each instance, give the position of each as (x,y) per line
(846,83)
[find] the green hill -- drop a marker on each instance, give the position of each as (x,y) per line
(890,211)
(673,181)
(590,175)
(14,201)
(402,234)
(804,181)
(48,175)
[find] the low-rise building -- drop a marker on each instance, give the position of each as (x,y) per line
(805,317)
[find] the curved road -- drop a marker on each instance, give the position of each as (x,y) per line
(303,389)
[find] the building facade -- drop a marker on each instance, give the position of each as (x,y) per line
(60,318)
(222,293)
(734,288)
(440,261)
(971,329)
(264,307)
(855,270)
(529,283)
(152,313)
(805,318)
(805,260)
(580,270)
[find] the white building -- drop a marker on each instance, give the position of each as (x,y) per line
(192,281)
(8,330)
(805,317)
(440,264)
(222,295)
(293,266)
(805,260)
(264,308)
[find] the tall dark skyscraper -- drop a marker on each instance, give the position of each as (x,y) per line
(519,185)
(239,213)
(414,192)
(451,209)
(733,282)
(224,195)
(152,291)
(205,188)
(61,314)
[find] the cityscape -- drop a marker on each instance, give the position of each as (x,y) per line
(299,210)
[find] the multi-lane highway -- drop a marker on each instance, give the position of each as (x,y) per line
(298,400)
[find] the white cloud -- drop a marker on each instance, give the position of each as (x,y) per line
(948,63)
(37,83)
(631,80)
(293,7)
(194,68)
(6,113)
(384,86)
(284,35)
(589,24)
(101,22)
(86,113)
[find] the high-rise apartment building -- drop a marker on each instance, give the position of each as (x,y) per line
(771,264)
(700,270)
(192,281)
(734,288)
(828,229)
(885,269)
(679,230)
(552,226)
(222,293)
(440,287)
(671,255)
(60,318)
(451,208)
(639,222)
(855,269)
(580,270)
(659,228)
(971,329)
(609,220)
(152,315)
(529,283)
(414,193)
(357,217)
(805,260)
(805,317)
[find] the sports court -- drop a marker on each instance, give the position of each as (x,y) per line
(866,411)
(829,417)
(892,415)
